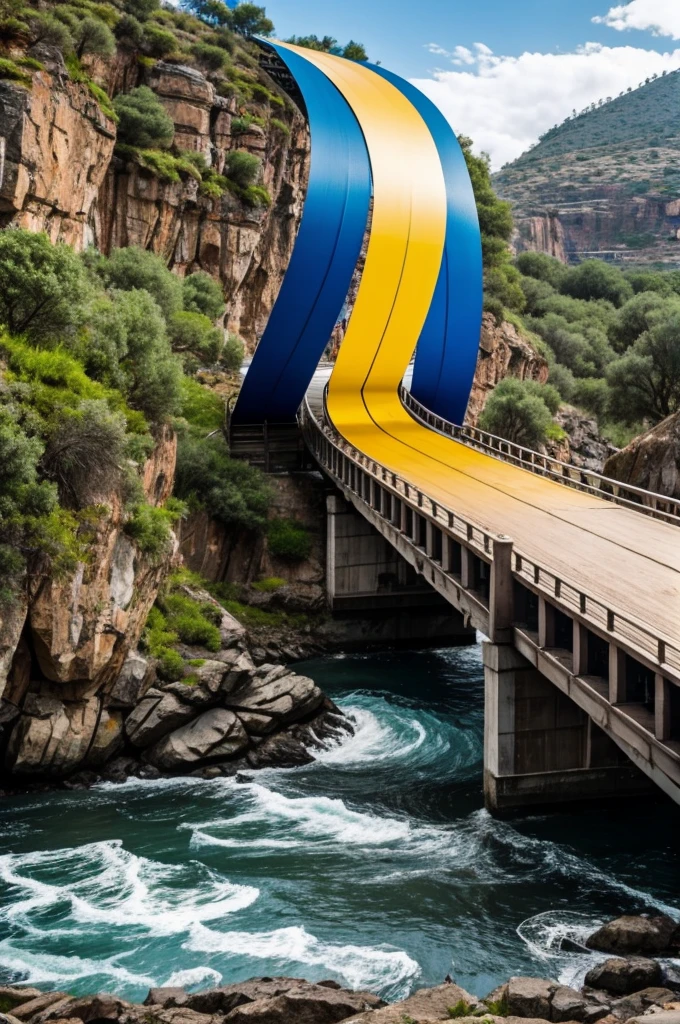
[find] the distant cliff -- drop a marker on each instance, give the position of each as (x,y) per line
(605,182)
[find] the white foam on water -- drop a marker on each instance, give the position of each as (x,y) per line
(361,967)
(373,740)
(304,817)
(38,968)
(193,976)
(112,887)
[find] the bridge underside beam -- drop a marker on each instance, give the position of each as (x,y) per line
(367,580)
(540,748)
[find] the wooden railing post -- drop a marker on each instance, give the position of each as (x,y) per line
(662,708)
(501,598)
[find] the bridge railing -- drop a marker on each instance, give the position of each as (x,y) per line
(351,468)
(658,506)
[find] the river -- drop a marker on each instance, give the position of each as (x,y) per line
(376,866)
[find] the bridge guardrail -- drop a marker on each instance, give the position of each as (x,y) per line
(654,650)
(648,503)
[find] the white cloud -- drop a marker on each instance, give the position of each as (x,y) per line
(439,50)
(662,17)
(461,55)
(505,103)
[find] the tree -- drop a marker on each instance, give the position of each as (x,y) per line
(211,57)
(201,293)
(83,455)
(645,383)
(153,375)
(129,30)
(233,352)
(495,217)
(93,36)
(355,51)
(232,492)
(596,280)
(592,394)
(563,380)
(214,12)
(159,42)
(48,29)
(251,20)
(41,286)
(143,120)
(141,9)
(541,267)
(195,335)
(135,268)
(512,411)
(638,315)
(242,168)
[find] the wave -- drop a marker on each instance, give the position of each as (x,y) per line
(191,977)
(40,968)
(109,886)
(377,968)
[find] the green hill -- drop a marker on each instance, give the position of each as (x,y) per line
(606,181)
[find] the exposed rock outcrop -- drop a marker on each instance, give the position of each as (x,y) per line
(621,977)
(633,934)
(652,460)
(503,352)
(582,444)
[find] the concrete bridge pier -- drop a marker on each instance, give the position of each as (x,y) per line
(540,748)
(380,597)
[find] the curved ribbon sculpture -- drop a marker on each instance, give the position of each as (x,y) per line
(374,133)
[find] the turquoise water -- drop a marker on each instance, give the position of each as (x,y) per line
(376,866)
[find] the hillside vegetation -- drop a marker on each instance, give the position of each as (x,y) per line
(592,173)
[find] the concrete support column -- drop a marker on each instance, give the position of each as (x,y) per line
(501,602)
(580,650)
(539,747)
(546,623)
(617,675)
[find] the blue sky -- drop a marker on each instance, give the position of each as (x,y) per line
(397,31)
(502,71)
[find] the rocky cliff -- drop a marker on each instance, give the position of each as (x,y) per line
(61,174)
(652,460)
(605,182)
(503,352)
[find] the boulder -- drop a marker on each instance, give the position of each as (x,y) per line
(11,996)
(213,736)
(662,1017)
(52,737)
(155,716)
(567,1004)
(133,680)
(282,750)
(530,997)
(308,1003)
(640,1002)
(637,934)
(623,976)
(169,1015)
(425,1004)
(38,1004)
(99,1008)
(167,996)
(270,701)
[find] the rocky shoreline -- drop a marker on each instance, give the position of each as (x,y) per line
(233,712)
(629,982)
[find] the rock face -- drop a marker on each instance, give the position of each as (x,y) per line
(215,735)
(652,460)
(61,176)
(503,352)
(583,445)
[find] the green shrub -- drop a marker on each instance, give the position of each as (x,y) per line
(203,294)
(11,70)
(159,42)
(233,352)
(279,126)
(31,63)
(93,36)
(140,9)
(135,268)
(513,412)
(84,451)
(256,195)
(563,380)
(104,100)
(143,120)
(41,286)
(211,57)
(129,30)
(211,189)
(289,540)
(242,168)
(461,1009)
(187,618)
(170,665)
(150,527)
(232,492)
(194,334)
(499,1007)
(45,28)
(202,408)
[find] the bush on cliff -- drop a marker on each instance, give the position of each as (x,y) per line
(201,293)
(289,539)
(242,168)
(234,493)
(94,36)
(41,286)
(195,337)
(135,268)
(645,383)
(143,120)
(517,413)
(233,352)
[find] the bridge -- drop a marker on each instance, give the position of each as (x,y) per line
(572,579)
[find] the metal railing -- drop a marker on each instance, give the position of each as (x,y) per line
(658,506)
(658,652)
